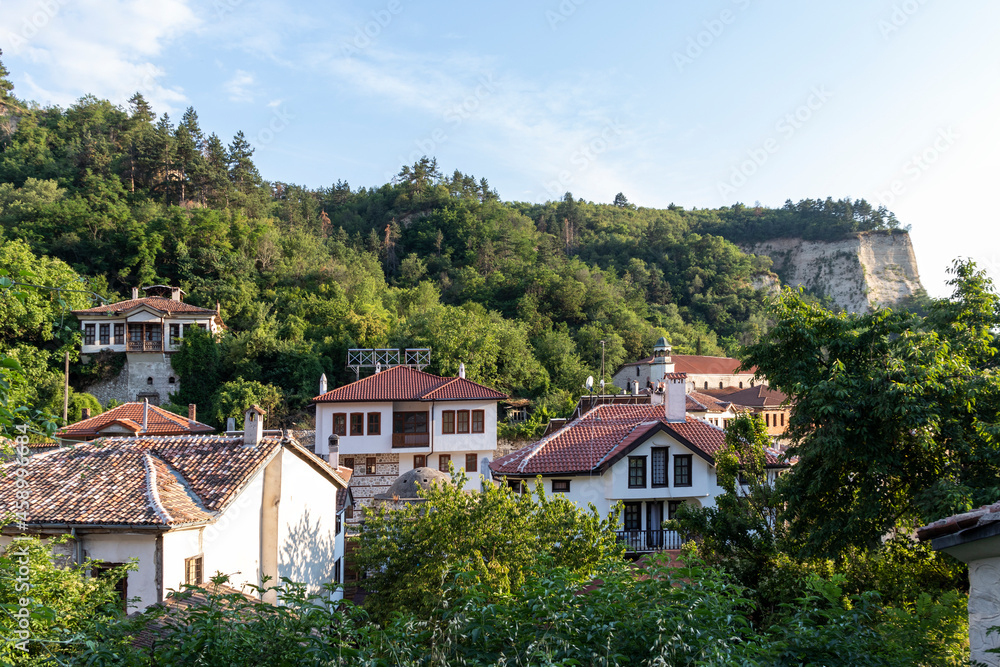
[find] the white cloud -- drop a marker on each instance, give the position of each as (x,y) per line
(103,47)
(240,87)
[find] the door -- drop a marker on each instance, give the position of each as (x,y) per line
(654,523)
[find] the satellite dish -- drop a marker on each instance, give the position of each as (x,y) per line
(589,384)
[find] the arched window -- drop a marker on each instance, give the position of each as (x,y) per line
(706,385)
(637,371)
(751,383)
(720,385)
(149,380)
(741,385)
(171,379)
(782,418)
(767,419)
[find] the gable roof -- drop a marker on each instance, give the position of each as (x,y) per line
(129,416)
(152,482)
(600,438)
(402,383)
(699,402)
(694,364)
(155,302)
(760,396)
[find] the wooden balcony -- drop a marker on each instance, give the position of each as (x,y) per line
(641,541)
(404,440)
(144,346)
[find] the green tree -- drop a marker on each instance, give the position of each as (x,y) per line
(234,398)
(894,417)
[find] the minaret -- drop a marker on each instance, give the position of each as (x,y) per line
(662,363)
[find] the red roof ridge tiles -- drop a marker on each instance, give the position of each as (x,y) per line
(402,383)
(130,415)
(163,304)
(153,491)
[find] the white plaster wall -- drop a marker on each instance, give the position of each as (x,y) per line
(466,442)
(179,545)
(306,523)
(699,473)
(355,445)
(695,381)
(120,548)
(231,544)
(984,608)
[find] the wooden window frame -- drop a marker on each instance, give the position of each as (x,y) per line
(653,453)
(672,507)
(419,461)
(348,462)
(198,563)
(357,423)
(174,333)
(560,486)
(448,422)
(104,333)
(89,334)
(371,465)
(461,415)
(443,461)
(340,430)
(479,421)
(632,511)
(688,464)
(474,460)
(634,484)
(374,423)
(119,333)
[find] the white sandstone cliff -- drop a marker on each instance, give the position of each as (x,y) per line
(867,269)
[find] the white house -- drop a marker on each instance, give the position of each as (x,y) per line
(703,372)
(146,330)
(651,457)
(249,505)
(402,418)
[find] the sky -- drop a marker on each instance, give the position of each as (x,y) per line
(698,104)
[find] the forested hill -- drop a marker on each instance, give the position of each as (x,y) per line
(521,293)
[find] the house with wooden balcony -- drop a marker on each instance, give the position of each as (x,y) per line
(652,457)
(402,418)
(146,330)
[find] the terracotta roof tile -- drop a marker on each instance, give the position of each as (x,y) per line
(960,522)
(759,396)
(694,364)
(159,303)
(130,415)
(155,481)
(402,383)
(601,436)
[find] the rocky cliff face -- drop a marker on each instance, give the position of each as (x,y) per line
(857,273)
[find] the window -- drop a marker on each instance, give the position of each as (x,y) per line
(767,419)
(149,380)
(349,512)
(633,516)
(340,423)
(637,472)
(782,418)
(347,462)
(370,465)
(105,330)
(448,421)
(659,465)
(462,419)
(409,422)
(706,385)
(171,380)
(336,571)
(741,385)
(88,334)
(193,570)
(637,371)
(119,334)
(338,526)
(516,485)
(720,385)
(175,334)
(374,423)
(471,464)
(682,470)
(672,508)
(420,461)
(560,486)
(478,421)
(357,423)
(443,461)
(121,586)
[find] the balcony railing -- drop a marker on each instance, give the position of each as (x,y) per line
(649,540)
(411,439)
(144,346)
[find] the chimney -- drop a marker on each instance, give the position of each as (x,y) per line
(175,293)
(192,412)
(676,397)
(322,384)
(85,413)
(334,456)
(135,292)
(231,424)
(461,371)
(145,414)
(253,425)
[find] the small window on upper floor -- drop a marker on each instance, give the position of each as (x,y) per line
(149,380)
(720,385)
(171,380)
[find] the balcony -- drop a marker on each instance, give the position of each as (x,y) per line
(404,440)
(640,541)
(144,346)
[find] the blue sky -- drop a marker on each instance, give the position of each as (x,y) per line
(699,104)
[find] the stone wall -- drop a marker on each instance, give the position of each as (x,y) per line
(132,384)
(857,273)
(364,487)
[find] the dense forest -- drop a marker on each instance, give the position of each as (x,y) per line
(101,198)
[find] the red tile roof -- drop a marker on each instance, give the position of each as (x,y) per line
(155,302)
(130,415)
(155,481)
(402,383)
(605,434)
(960,522)
(699,402)
(693,364)
(760,396)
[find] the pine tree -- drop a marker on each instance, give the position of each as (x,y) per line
(217,171)
(242,172)
(190,140)
(5,84)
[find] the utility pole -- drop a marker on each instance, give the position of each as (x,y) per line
(66,392)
